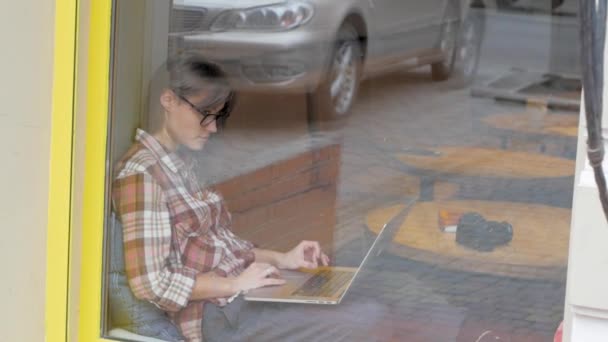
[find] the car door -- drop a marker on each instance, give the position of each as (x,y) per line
(430,14)
(390,21)
(404,26)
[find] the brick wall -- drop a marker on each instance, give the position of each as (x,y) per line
(289,200)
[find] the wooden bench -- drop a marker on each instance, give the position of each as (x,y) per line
(290,200)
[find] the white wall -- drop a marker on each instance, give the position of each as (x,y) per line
(26,62)
(586,318)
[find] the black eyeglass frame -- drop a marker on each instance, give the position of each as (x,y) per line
(219,117)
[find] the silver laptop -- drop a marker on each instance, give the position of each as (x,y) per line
(323,285)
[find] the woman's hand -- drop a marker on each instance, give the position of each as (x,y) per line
(306,254)
(258,275)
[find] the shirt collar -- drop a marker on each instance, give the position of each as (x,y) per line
(171,159)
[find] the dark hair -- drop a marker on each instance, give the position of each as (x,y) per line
(190,73)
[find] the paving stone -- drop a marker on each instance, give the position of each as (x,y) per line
(424,297)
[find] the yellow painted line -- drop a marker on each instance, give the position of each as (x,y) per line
(60,172)
(538,103)
(98,83)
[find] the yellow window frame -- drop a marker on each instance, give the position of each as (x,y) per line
(60,171)
(97,109)
(59,259)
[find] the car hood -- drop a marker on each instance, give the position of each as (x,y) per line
(224,3)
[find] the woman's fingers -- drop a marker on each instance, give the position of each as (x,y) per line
(270,276)
(324,259)
(309,264)
(316,247)
(259,275)
(271,270)
(271,282)
(311,254)
(312,249)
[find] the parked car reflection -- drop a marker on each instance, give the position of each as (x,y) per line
(325,48)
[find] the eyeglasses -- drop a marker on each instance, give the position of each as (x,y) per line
(208,117)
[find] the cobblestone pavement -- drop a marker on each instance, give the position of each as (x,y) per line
(400,113)
(463,305)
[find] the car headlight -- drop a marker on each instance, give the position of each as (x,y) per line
(278,17)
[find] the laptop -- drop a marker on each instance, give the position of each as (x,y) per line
(322,285)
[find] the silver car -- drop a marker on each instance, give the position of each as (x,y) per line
(322,47)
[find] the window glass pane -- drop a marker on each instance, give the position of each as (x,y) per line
(424,150)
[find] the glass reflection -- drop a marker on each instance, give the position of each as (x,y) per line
(453,123)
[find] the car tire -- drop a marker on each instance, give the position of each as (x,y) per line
(336,94)
(468,47)
(442,70)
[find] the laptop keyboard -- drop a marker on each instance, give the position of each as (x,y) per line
(324,283)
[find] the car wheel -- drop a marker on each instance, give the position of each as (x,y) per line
(468,46)
(442,70)
(334,98)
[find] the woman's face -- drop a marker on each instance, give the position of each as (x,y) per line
(183,119)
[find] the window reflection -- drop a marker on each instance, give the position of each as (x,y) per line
(452,122)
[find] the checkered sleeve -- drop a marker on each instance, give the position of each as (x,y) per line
(145,217)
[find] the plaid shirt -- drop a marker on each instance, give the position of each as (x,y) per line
(173,230)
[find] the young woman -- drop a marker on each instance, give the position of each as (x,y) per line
(180,253)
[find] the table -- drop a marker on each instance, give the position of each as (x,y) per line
(468,164)
(536,123)
(539,248)
(547,132)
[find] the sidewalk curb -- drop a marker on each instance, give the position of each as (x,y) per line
(549,102)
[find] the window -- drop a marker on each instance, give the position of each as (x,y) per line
(428,146)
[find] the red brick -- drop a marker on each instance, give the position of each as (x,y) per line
(300,162)
(283,209)
(290,200)
(285,168)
